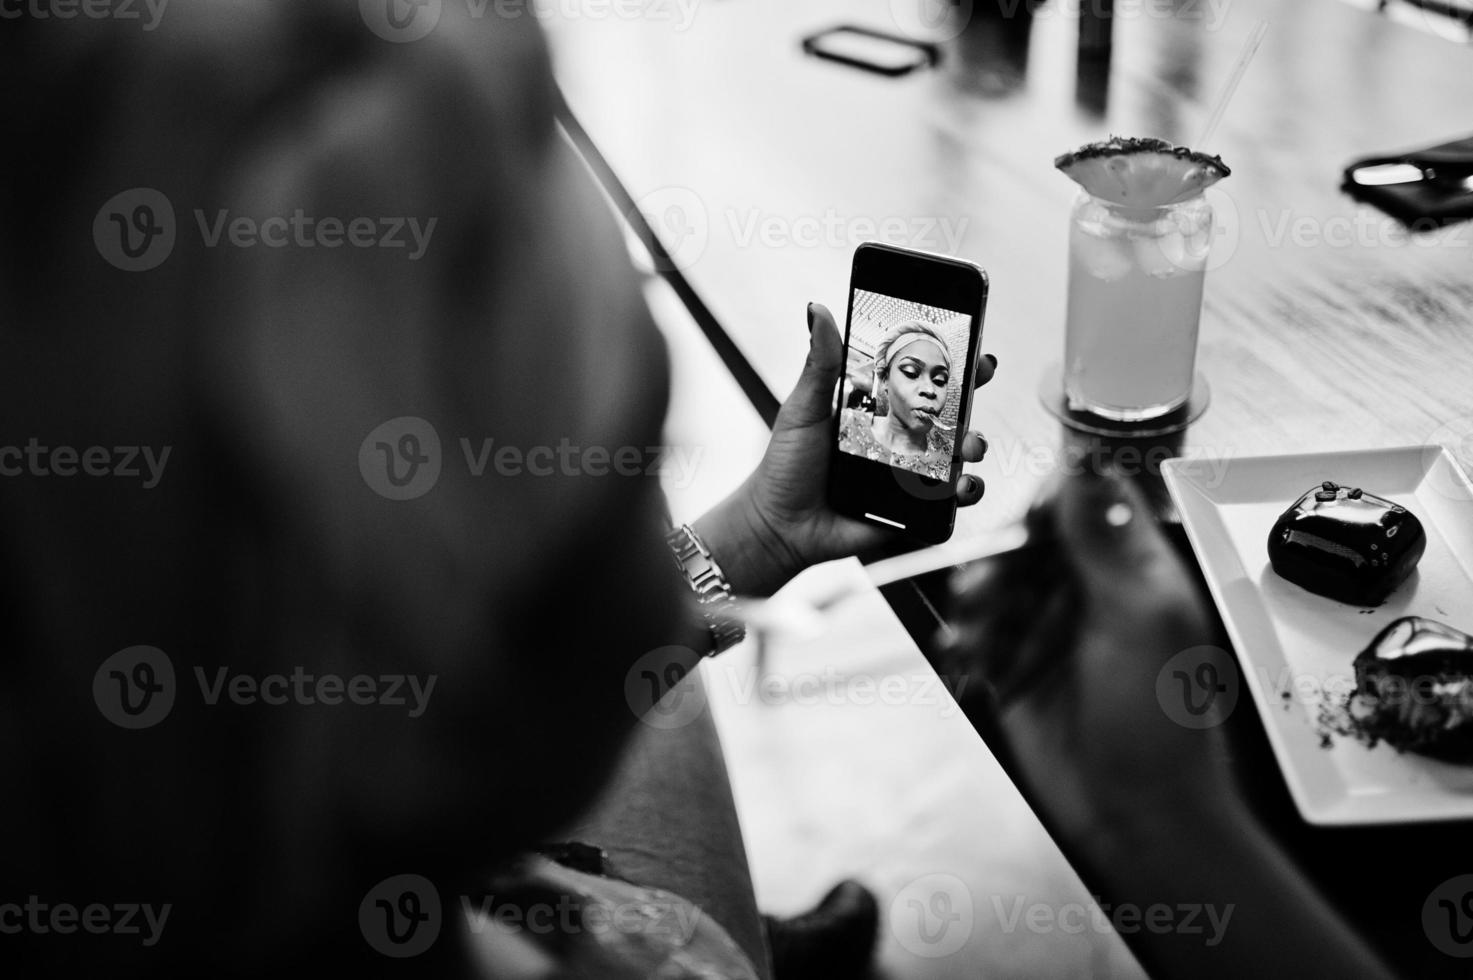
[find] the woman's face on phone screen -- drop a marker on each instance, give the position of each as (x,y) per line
(917,382)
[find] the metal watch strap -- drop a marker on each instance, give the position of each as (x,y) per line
(709,584)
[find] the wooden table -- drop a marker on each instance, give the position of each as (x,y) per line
(1324,325)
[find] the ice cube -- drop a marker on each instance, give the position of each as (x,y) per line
(1107,259)
(1170,254)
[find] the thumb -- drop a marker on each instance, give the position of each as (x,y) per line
(1106,528)
(813,399)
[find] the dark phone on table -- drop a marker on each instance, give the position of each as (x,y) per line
(871,50)
(905,397)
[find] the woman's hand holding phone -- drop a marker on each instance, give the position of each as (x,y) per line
(779,521)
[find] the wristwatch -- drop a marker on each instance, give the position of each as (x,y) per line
(712,590)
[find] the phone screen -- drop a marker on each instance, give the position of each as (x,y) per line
(903,395)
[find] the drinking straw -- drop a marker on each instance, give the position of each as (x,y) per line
(1250,48)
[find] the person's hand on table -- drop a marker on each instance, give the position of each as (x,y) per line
(1071,636)
(1071,640)
(778,521)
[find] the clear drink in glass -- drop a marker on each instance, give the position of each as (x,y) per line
(1135,300)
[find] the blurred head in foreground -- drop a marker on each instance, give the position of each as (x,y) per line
(271,280)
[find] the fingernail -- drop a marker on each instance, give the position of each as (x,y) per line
(1113,511)
(810,318)
(985,445)
(993,359)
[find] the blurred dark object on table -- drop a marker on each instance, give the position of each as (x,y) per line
(1422,188)
(1454,12)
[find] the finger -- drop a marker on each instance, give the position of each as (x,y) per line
(974,446)
(812,398)
(969,490)
(1106,529)
(986,368)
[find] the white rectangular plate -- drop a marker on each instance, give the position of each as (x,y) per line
(1291,641)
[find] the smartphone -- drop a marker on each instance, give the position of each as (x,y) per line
(905,397)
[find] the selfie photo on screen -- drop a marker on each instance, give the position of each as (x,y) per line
(903,383)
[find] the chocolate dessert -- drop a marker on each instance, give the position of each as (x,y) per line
(1414,690)
(1346,544)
